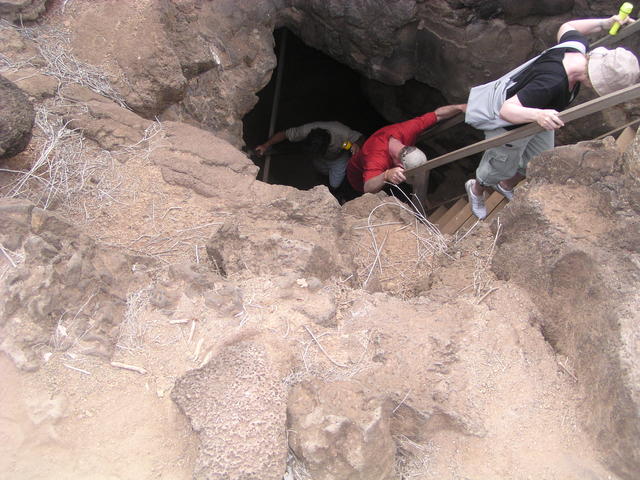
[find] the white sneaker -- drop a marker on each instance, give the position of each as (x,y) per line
(508,194)
(478,207)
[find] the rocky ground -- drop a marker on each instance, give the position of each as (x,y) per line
(163,314)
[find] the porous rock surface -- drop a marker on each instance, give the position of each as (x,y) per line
(285,231)
(205,60)
(67,291)
(571,239)
(339,433)
(21,10)
(16,119)
(238,395)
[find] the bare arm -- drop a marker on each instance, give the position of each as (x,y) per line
(277,138)
(588,26)
(393,175)
(448,111)
(514,112)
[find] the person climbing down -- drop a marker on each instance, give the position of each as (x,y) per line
(536,94)
(330,143)
(388,152)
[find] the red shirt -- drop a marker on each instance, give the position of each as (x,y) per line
(374,158)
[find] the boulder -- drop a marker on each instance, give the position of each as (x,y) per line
(34,83)
(226,52)
(128,41)
(283,230)
(237,405)
(16,119)
(194,61)
(339,432)
(195,158)
(232,252)
(61,290)
(22,10)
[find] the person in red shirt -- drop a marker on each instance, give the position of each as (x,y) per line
(385,154)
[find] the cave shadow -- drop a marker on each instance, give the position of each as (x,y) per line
(315,87)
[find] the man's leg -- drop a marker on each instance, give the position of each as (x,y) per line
(541,142)
(510,183)
(497,164)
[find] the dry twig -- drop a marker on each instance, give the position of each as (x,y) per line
(125,366)
(133,327)
(55,48)
(323,350)
(13,264)
(401,402)
(76,369)
(196,353)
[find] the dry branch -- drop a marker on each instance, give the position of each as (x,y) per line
(125,366)
(76,369)
(13,264)
(323,350)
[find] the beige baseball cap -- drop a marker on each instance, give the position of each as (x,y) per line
(612,70)
(412,157)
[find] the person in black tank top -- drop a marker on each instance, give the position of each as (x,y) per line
(543,89)
(545,84)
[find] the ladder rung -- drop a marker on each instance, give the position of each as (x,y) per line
(435,216)
(459,205)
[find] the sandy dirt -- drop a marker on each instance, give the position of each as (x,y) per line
(79,417)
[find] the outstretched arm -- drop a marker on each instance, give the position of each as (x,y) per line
(588,26)
(277,138)
(448,111)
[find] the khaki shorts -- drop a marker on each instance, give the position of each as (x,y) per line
(502,163)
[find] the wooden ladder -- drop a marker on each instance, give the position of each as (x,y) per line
(458,217)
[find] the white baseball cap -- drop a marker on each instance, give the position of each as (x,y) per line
(412,157)
(612,70)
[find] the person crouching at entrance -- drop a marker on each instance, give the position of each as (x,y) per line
(390,151)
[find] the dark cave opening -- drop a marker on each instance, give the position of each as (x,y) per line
(315,87)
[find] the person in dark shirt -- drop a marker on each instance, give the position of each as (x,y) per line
(543,89)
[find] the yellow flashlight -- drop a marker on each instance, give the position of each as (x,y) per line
(625,11)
